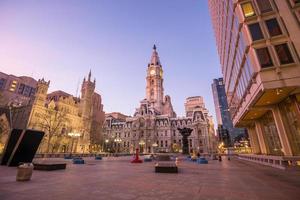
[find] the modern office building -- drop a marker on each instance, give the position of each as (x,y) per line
(258,42)
(222,112)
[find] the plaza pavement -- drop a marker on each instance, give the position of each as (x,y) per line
(117,178)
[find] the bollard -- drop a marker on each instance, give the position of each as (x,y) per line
(24,172)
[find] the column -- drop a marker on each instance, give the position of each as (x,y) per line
(253,140)
(261,141)
(286,147)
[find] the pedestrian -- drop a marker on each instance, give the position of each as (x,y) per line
(220,158)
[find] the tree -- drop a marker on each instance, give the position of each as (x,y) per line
(53,122)
(4,131)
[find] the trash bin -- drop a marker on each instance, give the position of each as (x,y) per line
(24,172)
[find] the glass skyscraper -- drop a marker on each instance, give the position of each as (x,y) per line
(222,111)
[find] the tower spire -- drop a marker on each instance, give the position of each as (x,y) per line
(154,58)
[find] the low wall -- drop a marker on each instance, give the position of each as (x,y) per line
(280,162)
(62,155)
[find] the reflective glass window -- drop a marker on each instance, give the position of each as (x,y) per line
(273,27)
(284,54)
(291,120)
(264,57)
(264,5)
(255,31)
(273,143)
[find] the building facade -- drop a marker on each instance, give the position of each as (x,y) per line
(16,90)
(154,125)
(259,45)
(222,112)
(71,124)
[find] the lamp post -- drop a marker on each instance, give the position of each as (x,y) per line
(106,144)
(154,145)
(142,143)
(117,141)
(73,135)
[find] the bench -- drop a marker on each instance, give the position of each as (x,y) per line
(49,166)
(166,167)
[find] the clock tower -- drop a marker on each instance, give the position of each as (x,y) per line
(154,88)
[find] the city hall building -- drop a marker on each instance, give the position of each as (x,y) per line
(154,125)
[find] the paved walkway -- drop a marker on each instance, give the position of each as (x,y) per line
(119,179)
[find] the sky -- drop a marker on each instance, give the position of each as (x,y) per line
(62,40)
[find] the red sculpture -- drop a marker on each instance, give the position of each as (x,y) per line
(136,159)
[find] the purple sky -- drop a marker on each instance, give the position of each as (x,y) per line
(61,40)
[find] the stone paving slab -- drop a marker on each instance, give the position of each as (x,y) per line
(117,178)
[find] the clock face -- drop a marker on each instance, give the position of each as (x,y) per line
(152,72)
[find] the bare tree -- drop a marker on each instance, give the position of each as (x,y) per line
(4,131)
(53,121)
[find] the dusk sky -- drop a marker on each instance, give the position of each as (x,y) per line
(61,40)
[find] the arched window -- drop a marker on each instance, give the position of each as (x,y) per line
(152,93)
(152,82)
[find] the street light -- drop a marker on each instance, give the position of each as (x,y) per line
(106,144)
(73,135)
(142,143)
(117,141)
(154,145)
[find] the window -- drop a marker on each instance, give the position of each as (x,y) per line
(273,27)
(291,120)
(270,132)
(2,83)
(166,143)
(284,54)
(32,92)
(174,133)
(13,86)
(264,57)
(21,88)
(248,9)
(264,5)
(255,31)
(27,90)
(152,93)
(161,143)
(152,82)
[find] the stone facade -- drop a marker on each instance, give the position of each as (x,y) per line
(153,127)
(63,116)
